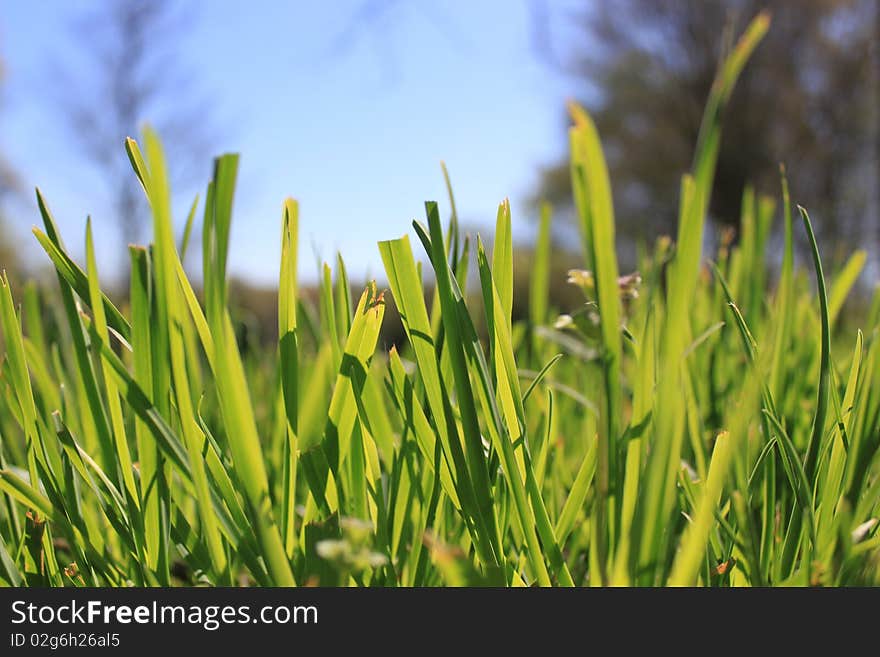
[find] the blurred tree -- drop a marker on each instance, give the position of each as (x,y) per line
(133,73)
(808,97)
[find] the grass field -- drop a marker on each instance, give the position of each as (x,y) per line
(696,423)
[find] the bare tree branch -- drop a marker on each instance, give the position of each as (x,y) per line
(134,74)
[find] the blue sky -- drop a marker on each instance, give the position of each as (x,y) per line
(356,132)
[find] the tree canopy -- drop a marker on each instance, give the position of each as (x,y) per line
(809,99)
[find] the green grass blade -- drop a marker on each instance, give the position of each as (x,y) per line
(814,445)
(406,287)
(844,282)
(539,280)
(171,306)
(289,364)
(590,177)
(152,480)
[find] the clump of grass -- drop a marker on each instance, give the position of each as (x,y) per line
(684,426)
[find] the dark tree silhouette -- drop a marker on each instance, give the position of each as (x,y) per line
(809,98)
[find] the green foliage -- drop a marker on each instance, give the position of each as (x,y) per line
(681,427)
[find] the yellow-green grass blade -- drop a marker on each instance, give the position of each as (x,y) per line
(695,194)
(159,333)
(574,503)
(11,576)
(122,462)
(406,287)
(359,347)
(453,314)
(539,376)
(373,409)
(33,319)
(511,422)
(187,228)
(844,282)
(794,470)
(19,377)
(342,300)
(709,139)
(153,487)
(26,494)
(315,400)
(815,442)
(144,408)
(170,305)
(414,416)
(91,403)
(37,456)
(47,396)
(328,315)
(687,562)
(596,212)
(113,503)
(234,396)
(864,436)
(334,448)
(289,364)
(539,280)
(116,419)
(502,260)
(198,316)
(643,398)
(287,302)
(77,279)
(830,490)
(668,418)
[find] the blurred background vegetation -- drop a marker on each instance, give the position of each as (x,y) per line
(808,99)
(643,68)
